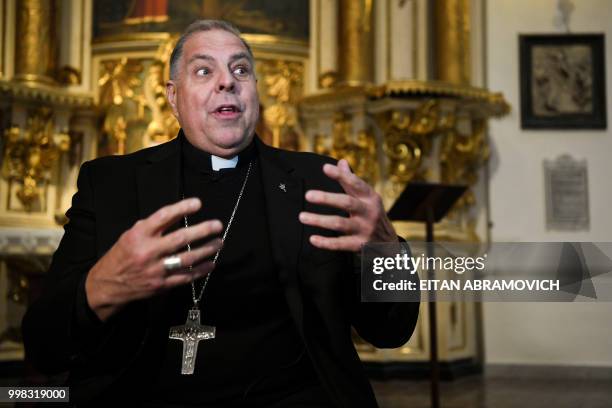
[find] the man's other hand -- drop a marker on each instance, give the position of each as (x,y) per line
(367,220)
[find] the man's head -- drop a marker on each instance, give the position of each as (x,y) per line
(212,88)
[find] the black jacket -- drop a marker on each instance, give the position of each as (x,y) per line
(110,361)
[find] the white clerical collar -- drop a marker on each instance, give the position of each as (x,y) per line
(219,163)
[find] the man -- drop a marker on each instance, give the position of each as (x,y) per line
(269,318)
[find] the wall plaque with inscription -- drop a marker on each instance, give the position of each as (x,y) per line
(567,196)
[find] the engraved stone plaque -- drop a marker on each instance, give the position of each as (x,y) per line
(567,196)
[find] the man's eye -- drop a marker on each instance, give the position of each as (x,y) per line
(202,72)
(241,71)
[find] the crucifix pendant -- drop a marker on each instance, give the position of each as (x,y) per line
(190,334)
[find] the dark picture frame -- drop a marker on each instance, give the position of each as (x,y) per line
(563,81)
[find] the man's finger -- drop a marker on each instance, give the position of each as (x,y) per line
(330,222)
(337,200)
(186,259)
(343,243)
(181,279)
(341,172)
(197,255)
(180,238)
(166,216)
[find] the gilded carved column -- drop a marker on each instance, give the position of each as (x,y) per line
(355,32)
(452,41)
(35,41)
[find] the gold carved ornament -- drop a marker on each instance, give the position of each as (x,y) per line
(119,85)
(133,93)
(359,150)
(408,140)
(31,155)
(462,155)
(282,85)
(163,125)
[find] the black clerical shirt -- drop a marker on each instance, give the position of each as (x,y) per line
(257,353)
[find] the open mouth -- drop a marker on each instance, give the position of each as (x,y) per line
(227,111)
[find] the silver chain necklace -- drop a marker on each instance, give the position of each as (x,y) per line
(196,300)
(192,331)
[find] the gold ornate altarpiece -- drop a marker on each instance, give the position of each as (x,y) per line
(112,101)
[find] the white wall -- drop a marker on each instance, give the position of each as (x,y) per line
(553,333)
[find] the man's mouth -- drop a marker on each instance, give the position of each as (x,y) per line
(227,111)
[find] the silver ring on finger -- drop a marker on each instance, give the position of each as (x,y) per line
(172,262)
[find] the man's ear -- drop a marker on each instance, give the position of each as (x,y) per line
(171,90)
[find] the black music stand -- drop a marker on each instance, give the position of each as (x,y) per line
(428,203)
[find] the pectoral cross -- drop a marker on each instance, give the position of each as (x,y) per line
(190,334)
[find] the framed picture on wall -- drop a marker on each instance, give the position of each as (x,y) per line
(562,81)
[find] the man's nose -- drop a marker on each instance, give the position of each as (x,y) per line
(226,82)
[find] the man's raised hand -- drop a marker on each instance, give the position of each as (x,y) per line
(367,220)
(134,266)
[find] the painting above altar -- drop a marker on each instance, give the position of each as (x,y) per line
(285,19)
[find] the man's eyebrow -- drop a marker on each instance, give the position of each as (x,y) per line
(233,57)
(240,55)
(205,57)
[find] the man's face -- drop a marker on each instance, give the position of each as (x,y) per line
(214,95)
